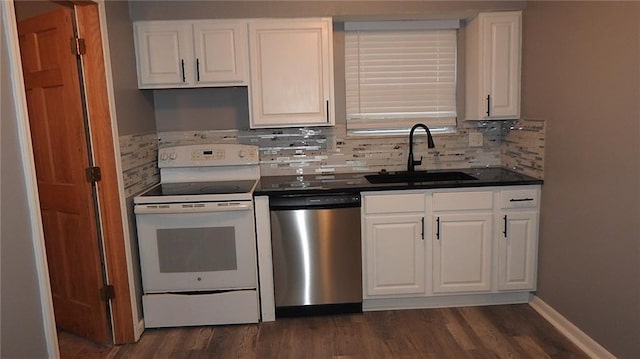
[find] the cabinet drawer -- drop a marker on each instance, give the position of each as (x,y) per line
(462,201)
(520,198)
(396,203)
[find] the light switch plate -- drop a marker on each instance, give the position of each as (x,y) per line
(475,139)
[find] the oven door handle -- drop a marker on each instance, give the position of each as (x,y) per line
(192,207)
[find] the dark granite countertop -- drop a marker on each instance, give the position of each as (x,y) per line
(356,182)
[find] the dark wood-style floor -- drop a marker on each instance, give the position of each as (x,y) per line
(506,331)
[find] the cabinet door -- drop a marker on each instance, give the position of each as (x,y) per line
(517,250)
(220,52)
(291,73)
(462,252)
(501,53)
(163,53)
(394,255)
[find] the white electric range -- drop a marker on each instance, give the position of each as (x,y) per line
(196,237)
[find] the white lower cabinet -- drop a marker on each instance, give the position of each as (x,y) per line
(462,229)
(518,240)
(394,244)
(449,244)
(396,251)
(462,252)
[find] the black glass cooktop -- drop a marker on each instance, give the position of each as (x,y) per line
(200,188)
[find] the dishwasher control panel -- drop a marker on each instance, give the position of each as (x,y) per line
(310,201)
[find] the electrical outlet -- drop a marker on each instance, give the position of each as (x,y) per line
(475,139)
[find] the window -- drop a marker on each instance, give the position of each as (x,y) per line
(399,73)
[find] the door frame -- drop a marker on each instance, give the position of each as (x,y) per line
(111,200)
(103,133)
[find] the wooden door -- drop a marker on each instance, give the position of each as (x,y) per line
(57,123)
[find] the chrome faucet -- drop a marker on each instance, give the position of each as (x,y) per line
(411,163)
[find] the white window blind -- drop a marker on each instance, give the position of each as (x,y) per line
(398,77)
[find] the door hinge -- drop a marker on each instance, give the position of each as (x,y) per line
(78,46)
(93,174)
(107,293)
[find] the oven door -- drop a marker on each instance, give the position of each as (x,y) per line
(196,246)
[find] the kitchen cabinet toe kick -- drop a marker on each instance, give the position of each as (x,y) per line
(444,301)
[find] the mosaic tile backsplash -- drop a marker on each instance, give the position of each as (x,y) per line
(329,149)
(518,145)
(139,158)
(522,148)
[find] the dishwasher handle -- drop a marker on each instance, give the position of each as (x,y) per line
(314,201)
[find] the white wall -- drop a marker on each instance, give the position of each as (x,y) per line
(22,325)
(581,73)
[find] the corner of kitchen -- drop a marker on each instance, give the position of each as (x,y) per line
(345,222)
(281,161)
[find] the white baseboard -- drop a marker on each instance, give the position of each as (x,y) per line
(139,329)
(569,330)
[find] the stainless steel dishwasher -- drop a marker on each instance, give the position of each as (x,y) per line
(317,258)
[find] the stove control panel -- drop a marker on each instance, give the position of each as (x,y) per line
(208,155)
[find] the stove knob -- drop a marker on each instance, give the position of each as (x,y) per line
(242,153)
(173,156)
(164,156)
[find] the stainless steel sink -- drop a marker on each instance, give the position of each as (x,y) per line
(418,176)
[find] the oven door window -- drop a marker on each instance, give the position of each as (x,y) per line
(197,251)
(208,249)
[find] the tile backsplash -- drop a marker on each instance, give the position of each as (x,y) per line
(139,158)
(522,148)
(518,145)
(330,150)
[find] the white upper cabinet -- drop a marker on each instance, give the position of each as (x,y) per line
(493,47)
(161,50)
(221,52)
(291,72)
(173,54)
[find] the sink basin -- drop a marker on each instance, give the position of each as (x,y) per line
(418,176)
